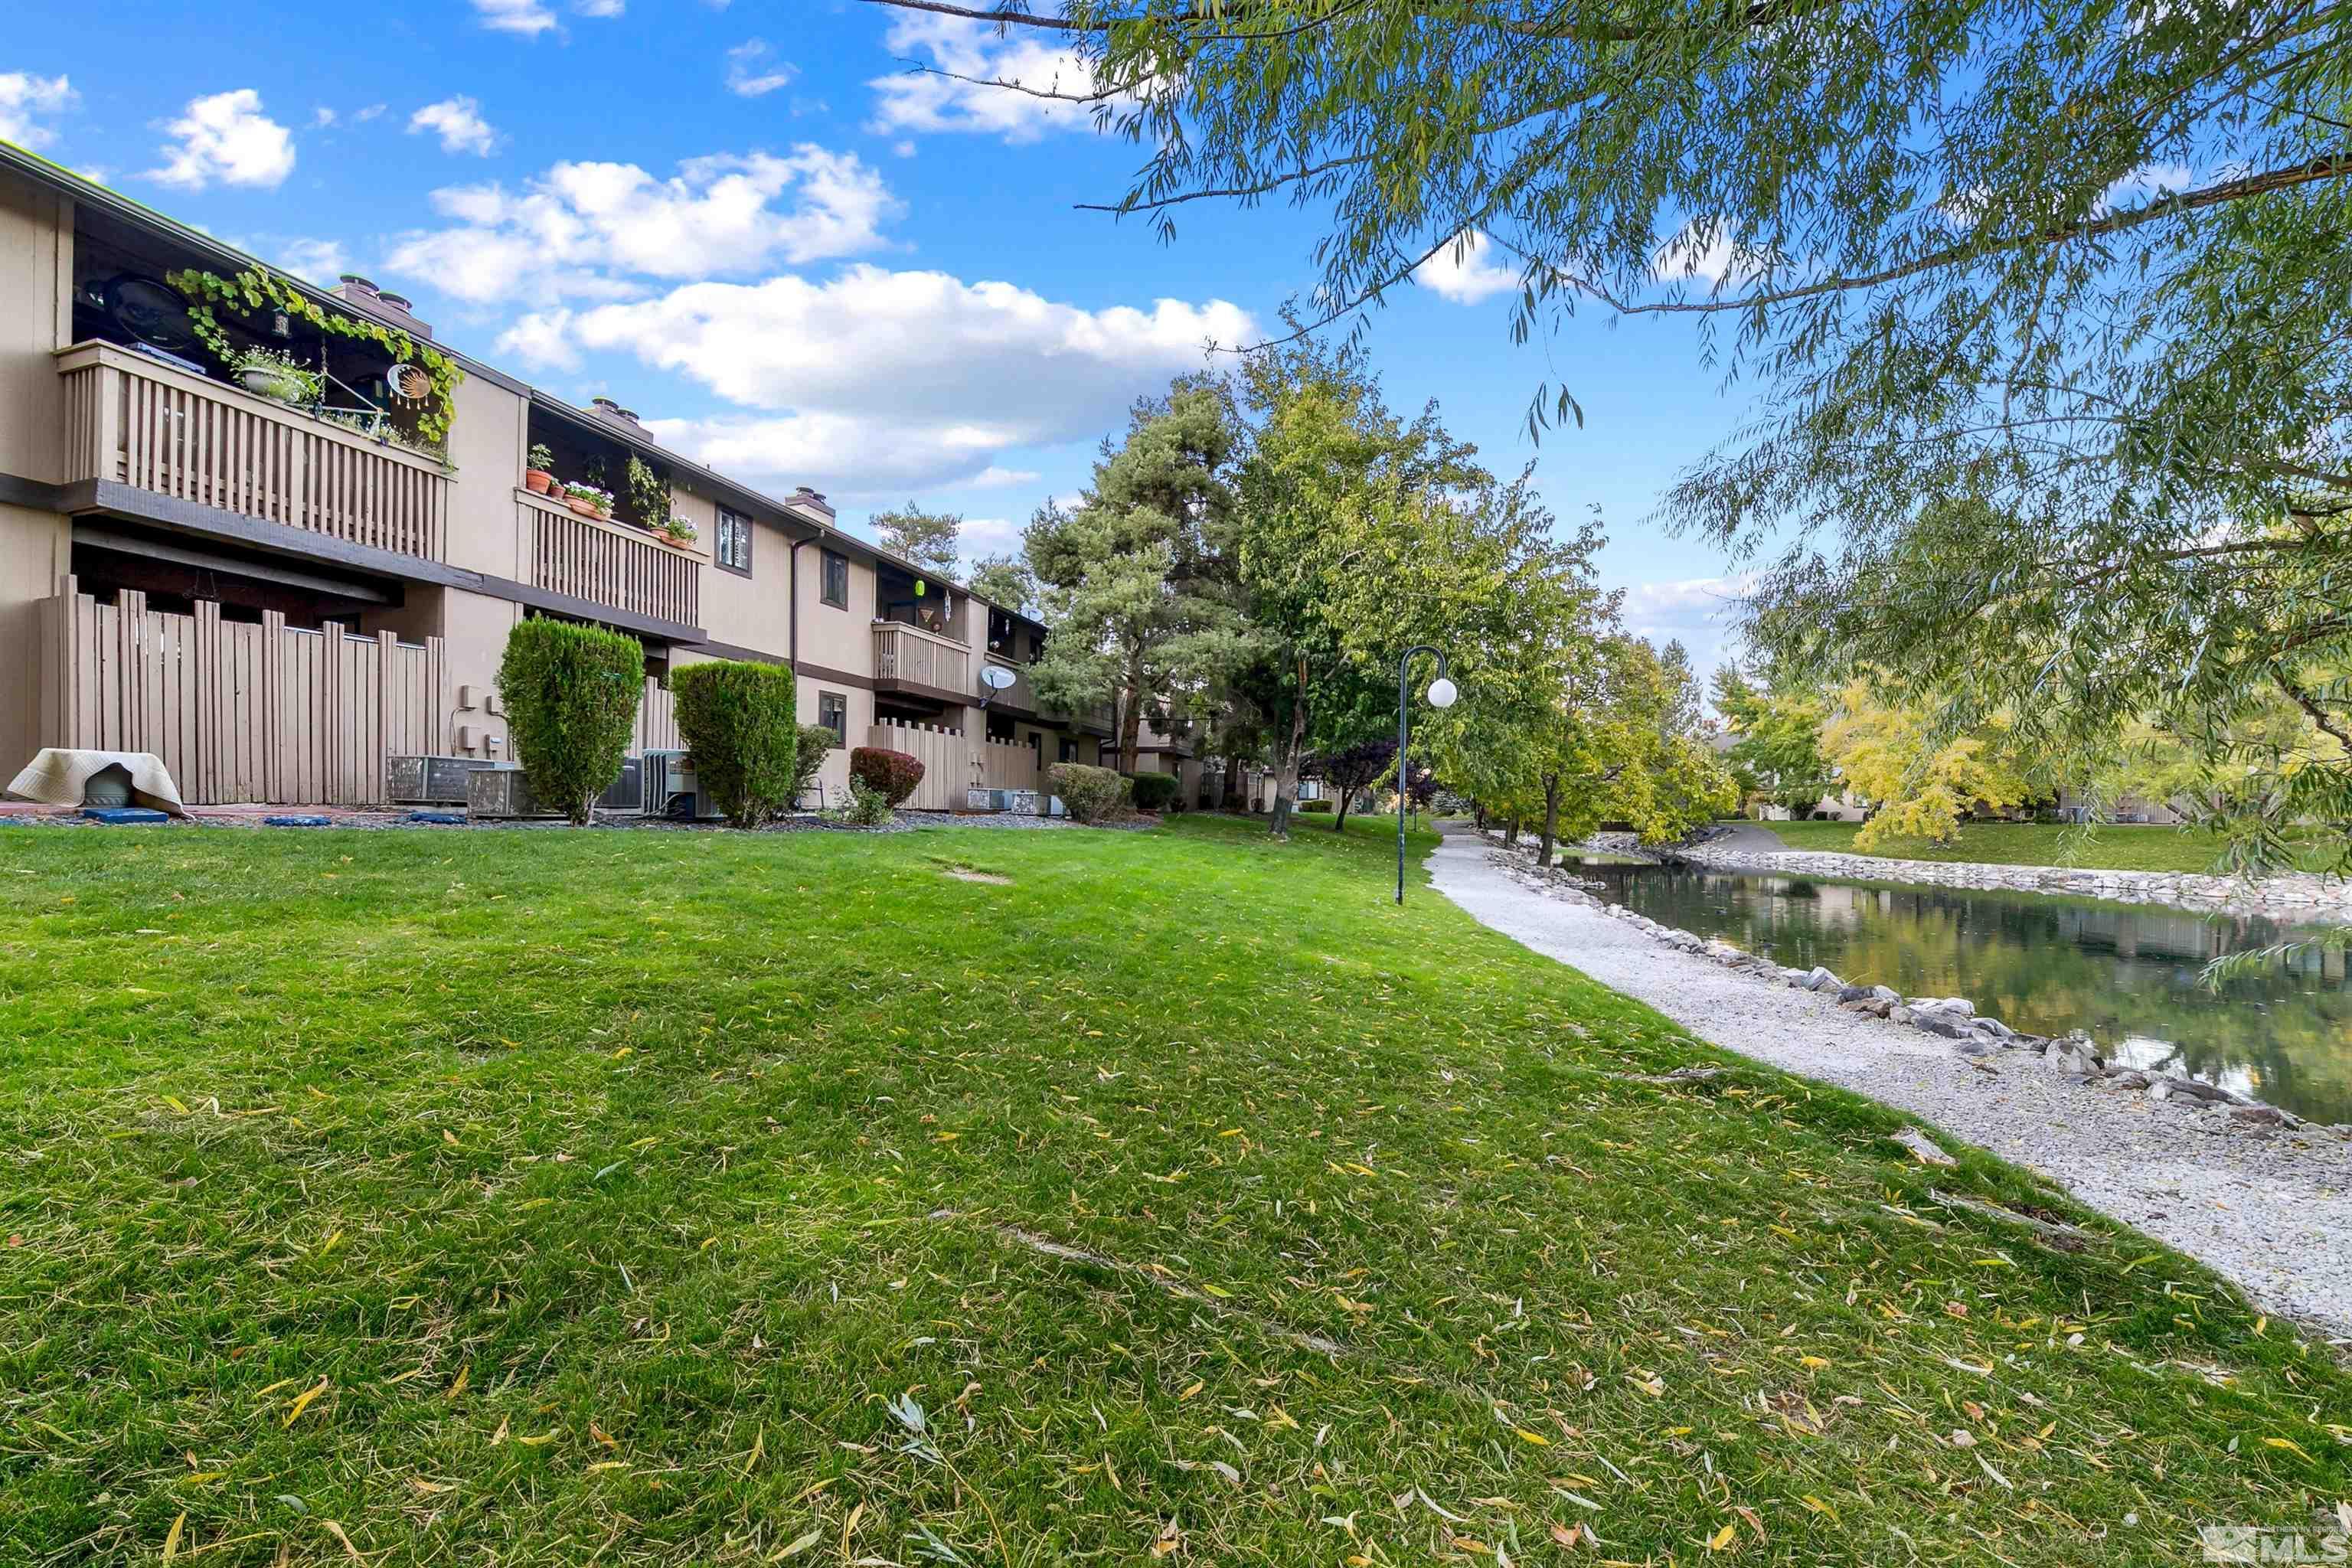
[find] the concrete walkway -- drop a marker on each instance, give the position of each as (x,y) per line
(1749,838)
(2268,1211)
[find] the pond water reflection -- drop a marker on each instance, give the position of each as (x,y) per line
(2128,973)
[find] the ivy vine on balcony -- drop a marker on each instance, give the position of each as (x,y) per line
(251,292)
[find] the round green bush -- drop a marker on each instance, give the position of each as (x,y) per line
(1088,794)
(1321,805)
(572,695)
(737,717)
(891,775)
(1155,792)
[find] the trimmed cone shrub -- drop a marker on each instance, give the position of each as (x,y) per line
(572,695)
(891,775)
(737,717)
(1089,795)
(1156,792)
(815,741)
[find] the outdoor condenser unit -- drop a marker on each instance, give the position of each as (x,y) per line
(628,793)
(428,781)
(502,791)
(671,788)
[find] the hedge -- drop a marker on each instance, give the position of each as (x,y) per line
(572,695)
(1322,805)
(737,717)
(892,774)
(1089,795)
(815,741)
(1156,792)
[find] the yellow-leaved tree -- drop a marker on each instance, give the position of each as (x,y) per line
(1924,783)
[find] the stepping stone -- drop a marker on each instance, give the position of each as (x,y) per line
(123,815)
(295,821)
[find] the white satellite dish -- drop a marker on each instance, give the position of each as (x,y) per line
(995,677)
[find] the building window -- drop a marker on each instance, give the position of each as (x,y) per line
(832,712)
(1069,750)
(835,588)
(1036,646)
(734,542)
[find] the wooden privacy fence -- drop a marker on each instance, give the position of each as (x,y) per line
(947,762)
(156,427)
(1010,764)
(658,720)
(238,712)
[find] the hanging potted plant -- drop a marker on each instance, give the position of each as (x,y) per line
(271,373)
(588,500)
(539,471)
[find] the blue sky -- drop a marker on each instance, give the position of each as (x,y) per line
(750,222)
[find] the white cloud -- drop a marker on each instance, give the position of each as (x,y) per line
(1706,251)
(1697,612)
(583,229)
(527,18)
(23,96)
(321,118)
(372,112)
(599,8)
(1470,268)
(923,101)
(752,73)
(880,383)
(458,122)
(993,477)
(226,137)
(321,261)
(2146,183)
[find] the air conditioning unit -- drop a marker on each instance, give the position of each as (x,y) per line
(502,791)
(672,790)
(428,780)
(627,794)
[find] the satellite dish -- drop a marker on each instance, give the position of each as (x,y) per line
(995,677)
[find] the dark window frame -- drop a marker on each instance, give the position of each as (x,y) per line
(827,560)
(733,524)
(839,724)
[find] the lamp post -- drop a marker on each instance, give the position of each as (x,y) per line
(1441,695)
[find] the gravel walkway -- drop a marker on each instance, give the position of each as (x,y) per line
(2270,1211)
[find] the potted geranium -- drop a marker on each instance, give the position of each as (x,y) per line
(588,500)
(678,531)
(539,472)
(272,374)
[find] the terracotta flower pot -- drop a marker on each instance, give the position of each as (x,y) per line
(582,506)
(539,483)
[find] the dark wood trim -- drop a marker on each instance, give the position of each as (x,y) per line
(97,534)
(837,676)
(717,649)
(169,512)
(927,693)
(39,494)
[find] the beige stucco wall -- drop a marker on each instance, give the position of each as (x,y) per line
(36,549)
(837,638)
(486,440)
(834,776)
(36,315)
(753,612)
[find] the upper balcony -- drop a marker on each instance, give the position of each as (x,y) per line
(607,563)
(138,420)
(1022,697)
(921,663)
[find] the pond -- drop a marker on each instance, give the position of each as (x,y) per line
(2128,974)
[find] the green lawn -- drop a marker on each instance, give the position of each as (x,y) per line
(549,1197)
(2115,847)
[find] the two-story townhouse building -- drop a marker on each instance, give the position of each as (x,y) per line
(274,595)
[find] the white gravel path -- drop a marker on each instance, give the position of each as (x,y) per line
(2270,1211)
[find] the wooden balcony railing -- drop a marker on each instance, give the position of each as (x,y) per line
(917,657)
(138,422)
(606,563)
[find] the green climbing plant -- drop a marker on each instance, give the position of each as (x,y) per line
(251,292)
